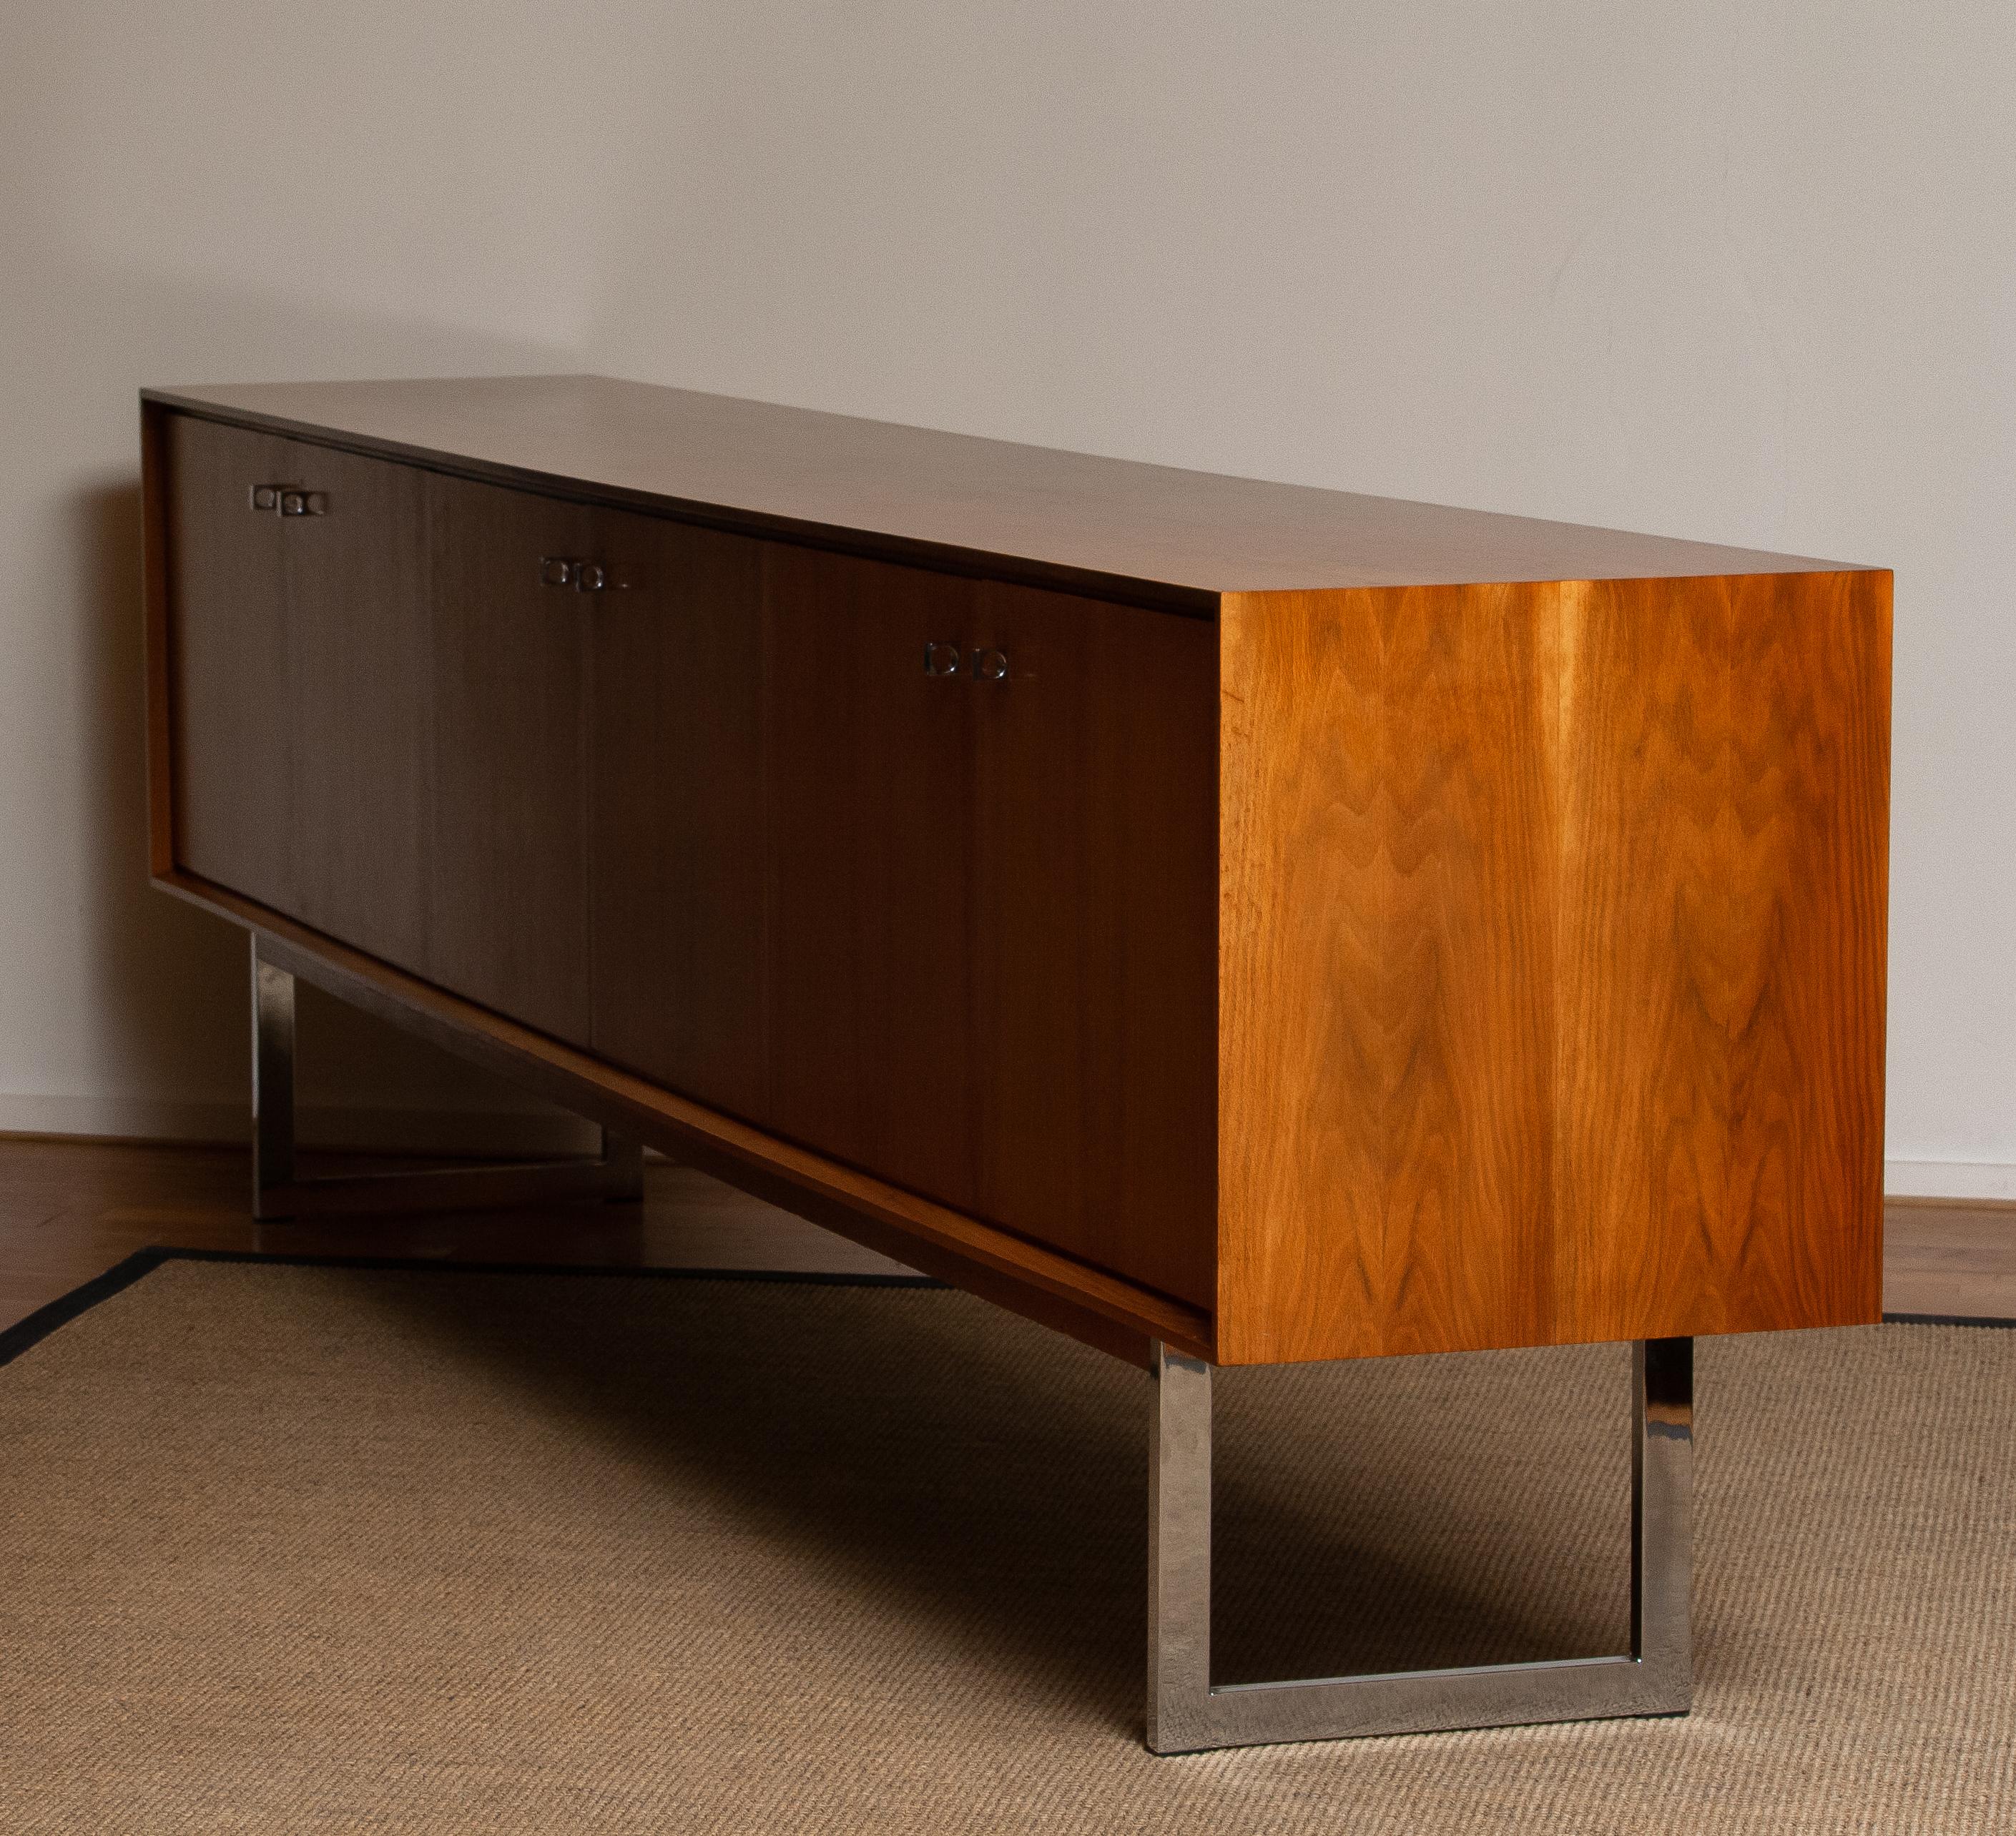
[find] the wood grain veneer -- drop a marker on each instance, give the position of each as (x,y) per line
(1094,880)
(678,809)
(226,663)
(1350,927)
(359,670)
(1551,970)
(992,917)
(508,891)
(872,817)
(1114,527)
(295,698)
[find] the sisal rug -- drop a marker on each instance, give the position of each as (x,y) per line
(304,1549)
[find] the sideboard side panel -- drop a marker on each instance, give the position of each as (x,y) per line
(1385,937)
(1552,959)
(1723,768)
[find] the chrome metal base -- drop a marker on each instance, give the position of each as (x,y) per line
(1187,1714)
(618,1173)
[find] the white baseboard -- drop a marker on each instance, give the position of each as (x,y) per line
(1992,1181)
(375,1130)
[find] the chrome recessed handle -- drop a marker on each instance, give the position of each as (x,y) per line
(983,663)
(584,576)
(289,500)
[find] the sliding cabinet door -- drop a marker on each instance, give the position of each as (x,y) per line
(993,913)
(1093,961)
(872,816)
(508,843)
(357,613)
(298,616)
(678,868)
(230,725)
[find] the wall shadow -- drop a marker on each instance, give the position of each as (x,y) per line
(166,1015)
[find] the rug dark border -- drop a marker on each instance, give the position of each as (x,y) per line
(25,1334)
(1944,1320)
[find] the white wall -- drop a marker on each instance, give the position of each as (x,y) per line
(1745,271)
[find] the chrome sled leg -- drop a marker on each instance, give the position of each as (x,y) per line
(1187,1714)
(278,1192)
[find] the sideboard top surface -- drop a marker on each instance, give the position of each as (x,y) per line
(952,496)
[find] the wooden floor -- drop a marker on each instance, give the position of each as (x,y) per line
(1943,1257)
(70,1210)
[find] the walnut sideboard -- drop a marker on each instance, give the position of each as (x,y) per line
(1229,922)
